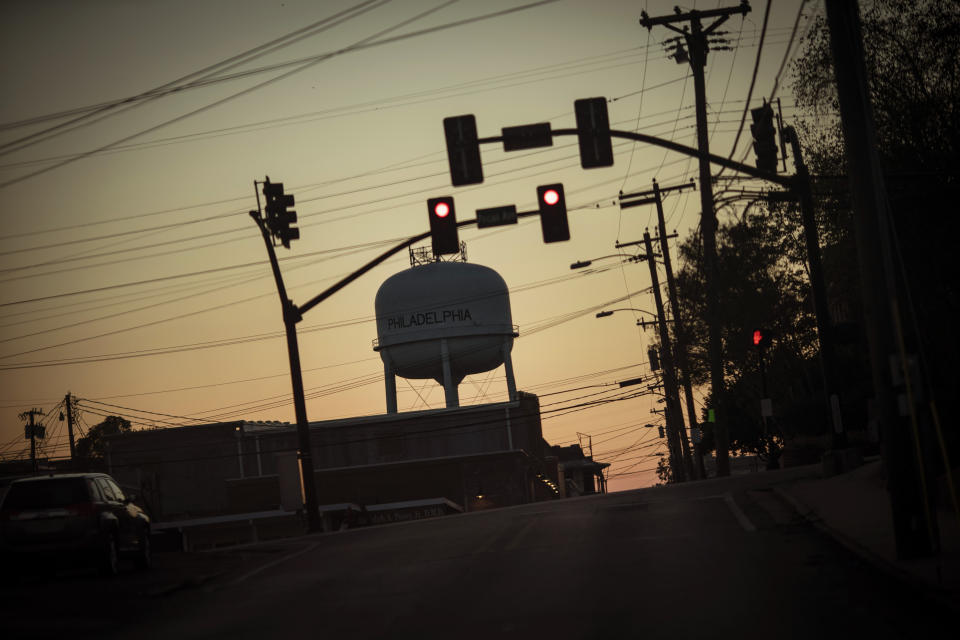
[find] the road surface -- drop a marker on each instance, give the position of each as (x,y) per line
(723,558)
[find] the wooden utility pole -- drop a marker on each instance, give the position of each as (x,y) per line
(68,401)
(914,522)
(674,411)
(655,196)
(32,431)
(695,37)
(679,334)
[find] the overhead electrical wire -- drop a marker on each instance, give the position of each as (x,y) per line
(106,109)
(301,65)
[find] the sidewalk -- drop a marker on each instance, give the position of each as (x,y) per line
(854,508)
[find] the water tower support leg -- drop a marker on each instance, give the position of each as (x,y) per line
(449,386)
(390,381)
(508,367)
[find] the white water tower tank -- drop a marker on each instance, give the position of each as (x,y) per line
(443,320)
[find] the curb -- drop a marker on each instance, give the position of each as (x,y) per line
(925,589)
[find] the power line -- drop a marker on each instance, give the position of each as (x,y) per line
(105,108)
(302,65)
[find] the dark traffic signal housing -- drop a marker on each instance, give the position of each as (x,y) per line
(764,138)
(443,225)
(553,213)
(463,150)
(654,359)
(593,133)
(280,217)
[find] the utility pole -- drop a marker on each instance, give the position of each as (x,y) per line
(696,41)
(674,410)
(655,196)
(914,523)
(69,402)
(33,431)
(679,332)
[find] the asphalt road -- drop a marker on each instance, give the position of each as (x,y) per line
(719,559)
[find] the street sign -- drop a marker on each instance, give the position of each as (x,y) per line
(527,136)
(496,216)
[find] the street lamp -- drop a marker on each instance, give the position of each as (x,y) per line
(609,312)
(580,264)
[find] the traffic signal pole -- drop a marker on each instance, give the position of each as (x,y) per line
(291,316)
(828,355)
(696,40)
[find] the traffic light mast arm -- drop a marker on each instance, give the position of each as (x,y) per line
(785,181)
(310,304)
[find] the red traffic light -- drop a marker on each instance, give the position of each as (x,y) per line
(762,338)
(553,213)
(443,225)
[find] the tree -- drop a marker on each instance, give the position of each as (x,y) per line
(664,472)
(912,51)
(914,70)
(764,286)
(91,446)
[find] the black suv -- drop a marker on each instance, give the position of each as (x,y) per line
(80,515)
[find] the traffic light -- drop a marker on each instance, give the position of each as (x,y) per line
(762,338)
(463,150)
(654,359)
(279,216)
(443,225)
(593,133)
(660,430)
(553,213)
(764,140)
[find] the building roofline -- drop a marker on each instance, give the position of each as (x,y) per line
(412,461)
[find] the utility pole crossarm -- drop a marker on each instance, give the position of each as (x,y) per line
(649,23)
(650,194)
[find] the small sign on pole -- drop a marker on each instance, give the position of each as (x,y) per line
(496,216)
(766,408)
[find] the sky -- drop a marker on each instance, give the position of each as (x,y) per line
(132,276)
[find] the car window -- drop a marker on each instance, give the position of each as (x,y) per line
(94,490)
(46,494)
(117,491)
(106,490)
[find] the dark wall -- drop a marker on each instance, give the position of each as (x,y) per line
(183,472)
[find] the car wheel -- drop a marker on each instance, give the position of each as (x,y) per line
(110,561)
(144,552)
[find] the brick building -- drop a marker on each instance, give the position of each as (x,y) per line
(476,457)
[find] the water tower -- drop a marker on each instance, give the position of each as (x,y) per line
(443,320)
